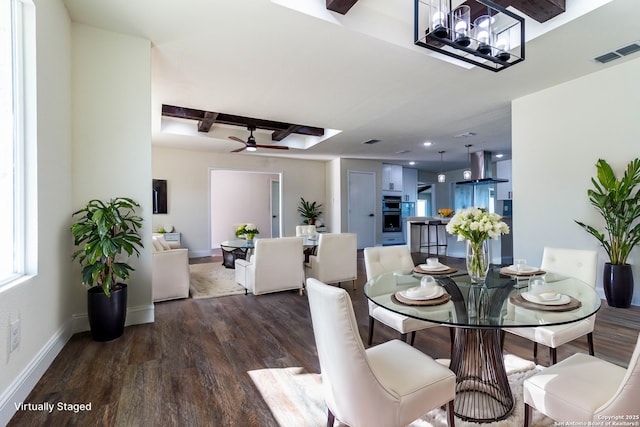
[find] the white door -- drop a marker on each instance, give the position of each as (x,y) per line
(275,208)
(362,206)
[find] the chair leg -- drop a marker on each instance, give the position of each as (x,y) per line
(451,422)
(371,323)
(452,338)
(553,355)
(502,334)
(527,415)
(355,284)
(330,418)
(413,338)
(403,337)
(590,340)
(535,352)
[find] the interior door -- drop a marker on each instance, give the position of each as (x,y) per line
(362,207)
(275,208)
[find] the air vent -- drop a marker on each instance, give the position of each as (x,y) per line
(618,53)
(370,141)
(465,135)
(403,151)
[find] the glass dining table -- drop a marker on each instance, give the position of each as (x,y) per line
(479,312)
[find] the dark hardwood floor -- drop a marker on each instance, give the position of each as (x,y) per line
(189,368)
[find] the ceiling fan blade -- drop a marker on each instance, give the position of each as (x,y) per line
(237,150)
(276,147)
(237,139)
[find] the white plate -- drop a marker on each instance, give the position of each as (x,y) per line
(439,267)
(561,300)
(523,269)
(418,296)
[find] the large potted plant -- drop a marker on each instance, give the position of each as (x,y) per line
(618,202)
(309,210)
(106,233)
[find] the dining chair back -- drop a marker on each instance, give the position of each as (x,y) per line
(583,388)
(276,265)
(335,259)
(391,384)
(386,259)
(577,263)
(306,230)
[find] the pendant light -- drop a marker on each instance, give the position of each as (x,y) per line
(441,177)
(466,174)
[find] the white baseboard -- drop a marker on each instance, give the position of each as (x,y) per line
(135,316)
(18,391)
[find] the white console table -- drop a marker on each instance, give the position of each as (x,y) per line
(173,239)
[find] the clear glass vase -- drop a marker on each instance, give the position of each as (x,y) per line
(478,260)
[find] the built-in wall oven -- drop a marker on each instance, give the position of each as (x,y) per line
(391,214)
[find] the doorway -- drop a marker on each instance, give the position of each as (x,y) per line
(361,189)
(238,197)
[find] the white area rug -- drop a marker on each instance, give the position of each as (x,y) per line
(296,399)
(212,280)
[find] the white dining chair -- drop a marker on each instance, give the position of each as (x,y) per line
(577,263)
(387,259)
(335,259)
(390,384)
(583,388)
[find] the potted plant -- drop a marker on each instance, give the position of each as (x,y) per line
(248,231)
(309,210)
(105,234)
(618,202)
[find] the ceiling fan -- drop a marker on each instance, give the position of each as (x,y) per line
(250,144)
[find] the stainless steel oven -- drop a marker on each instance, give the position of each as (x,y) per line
(391,214)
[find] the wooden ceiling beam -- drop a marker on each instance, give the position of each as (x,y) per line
(540,10)
(340,6)
(206,119)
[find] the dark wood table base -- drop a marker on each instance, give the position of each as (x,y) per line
(483,393)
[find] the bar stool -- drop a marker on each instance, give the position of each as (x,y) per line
(434,226)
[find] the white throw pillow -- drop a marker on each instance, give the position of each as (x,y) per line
(160,244)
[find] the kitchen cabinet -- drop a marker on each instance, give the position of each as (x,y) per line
(392,178)
(504,189)
(409,185)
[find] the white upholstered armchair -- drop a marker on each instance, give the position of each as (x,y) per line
(389,385)
(577,263)
(335,259)
(276,265)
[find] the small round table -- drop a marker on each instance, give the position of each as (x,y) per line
(478,312)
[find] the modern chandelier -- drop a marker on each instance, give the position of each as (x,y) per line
(479,32)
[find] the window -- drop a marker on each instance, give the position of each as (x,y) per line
(11,142)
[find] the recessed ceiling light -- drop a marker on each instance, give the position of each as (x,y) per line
(499,156)
(412,163)
(428,143)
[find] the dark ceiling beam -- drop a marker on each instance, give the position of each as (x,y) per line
(206,119)
(340,6)
(540,10)
(209,120)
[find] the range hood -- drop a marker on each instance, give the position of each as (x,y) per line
(481,171)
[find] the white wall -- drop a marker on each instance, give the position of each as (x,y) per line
(558,135)
(187,175)
(42,303)
(239,198)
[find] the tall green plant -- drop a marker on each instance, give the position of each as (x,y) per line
(618,201)
(309,210)
(104,231)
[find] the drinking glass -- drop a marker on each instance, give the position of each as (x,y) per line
(520,264)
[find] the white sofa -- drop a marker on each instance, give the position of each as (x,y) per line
(169,271)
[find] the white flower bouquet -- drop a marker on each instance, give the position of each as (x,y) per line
(247,230)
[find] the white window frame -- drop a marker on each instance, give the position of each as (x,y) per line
(17,240)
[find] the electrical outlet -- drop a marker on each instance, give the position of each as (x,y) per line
(15,335)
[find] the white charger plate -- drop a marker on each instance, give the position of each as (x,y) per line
(523,269)
(439,267)
(437,292)
(561,300)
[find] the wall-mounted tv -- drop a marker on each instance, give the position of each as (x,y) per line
(159,194)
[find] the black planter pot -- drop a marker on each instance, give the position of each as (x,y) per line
(107,314)
(617,281)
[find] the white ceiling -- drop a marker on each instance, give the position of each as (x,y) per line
(359,73)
